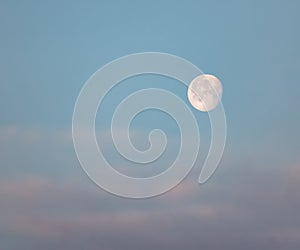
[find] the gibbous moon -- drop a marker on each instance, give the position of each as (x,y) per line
(205,92)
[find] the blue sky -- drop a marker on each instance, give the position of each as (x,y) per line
(48,49)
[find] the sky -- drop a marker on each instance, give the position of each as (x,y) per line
(48,49)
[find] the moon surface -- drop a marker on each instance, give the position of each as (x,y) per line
(205,92)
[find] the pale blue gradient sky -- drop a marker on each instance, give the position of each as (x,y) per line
(48,49)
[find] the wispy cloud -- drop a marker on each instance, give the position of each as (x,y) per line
(245,204)
(38,209)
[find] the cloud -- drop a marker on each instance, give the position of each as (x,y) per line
(71,214)
(247,204)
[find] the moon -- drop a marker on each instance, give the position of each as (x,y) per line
(205,92)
